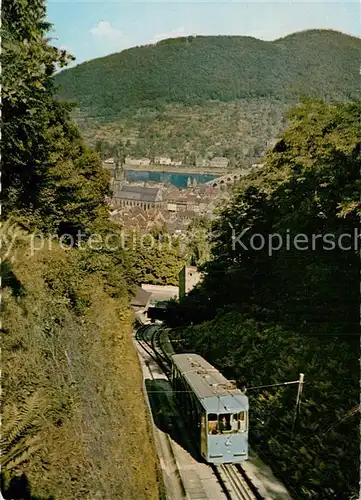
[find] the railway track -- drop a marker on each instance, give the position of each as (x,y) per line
(235,483)
(148,337)
(173,480)
(232,478)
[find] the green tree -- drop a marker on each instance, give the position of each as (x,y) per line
(268,315)
(199,241)
(310,185)
(50,180)
(156,258)
(28,63)
(65,311)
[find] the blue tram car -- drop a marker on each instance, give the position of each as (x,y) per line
(215,410)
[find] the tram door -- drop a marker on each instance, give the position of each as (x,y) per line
(203,435)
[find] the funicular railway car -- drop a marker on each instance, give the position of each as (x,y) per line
(215,410)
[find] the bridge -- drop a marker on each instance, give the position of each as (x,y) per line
(233,177)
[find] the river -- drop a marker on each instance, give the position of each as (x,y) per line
(179,180)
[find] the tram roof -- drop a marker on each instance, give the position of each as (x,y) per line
(214,391)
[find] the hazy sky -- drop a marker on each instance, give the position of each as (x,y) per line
(90,29)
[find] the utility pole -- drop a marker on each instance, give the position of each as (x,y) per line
(300,383)
(298,400)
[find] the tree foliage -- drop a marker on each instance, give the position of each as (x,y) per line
(198,69)
(309,186)
(275,306)
(156,258)
(50,179)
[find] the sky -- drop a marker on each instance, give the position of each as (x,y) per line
(90,29)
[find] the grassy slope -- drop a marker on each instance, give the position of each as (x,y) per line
(66,337)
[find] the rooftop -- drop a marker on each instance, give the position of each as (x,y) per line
(138,193)
(215,392)
(160,292)
(141,298)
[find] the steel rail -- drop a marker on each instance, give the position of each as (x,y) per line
(239,486)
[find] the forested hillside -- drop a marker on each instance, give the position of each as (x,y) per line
(71,382)
(239,130)
(197,69)
(281,296)
(207,95)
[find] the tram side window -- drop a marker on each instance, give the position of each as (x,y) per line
(224,421)
(212,423)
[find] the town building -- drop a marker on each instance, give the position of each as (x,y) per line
(271,143)
(202,162)
(138,196)
(189,277)
(162,160)
(145,207)
(160,293)
(172,207)
(136,162)
(219,162)
(109,161)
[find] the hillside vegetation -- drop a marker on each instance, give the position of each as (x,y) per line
(197,69)
(207,95)
(74,421)
(239,130)
(71,380)
(281,296)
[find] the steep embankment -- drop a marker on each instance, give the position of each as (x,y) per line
(207,95)
(74,421)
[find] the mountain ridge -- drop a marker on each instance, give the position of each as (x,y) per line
(238,86)
(196,69)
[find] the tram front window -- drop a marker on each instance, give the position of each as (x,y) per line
(212,424)
(238,422)
(224,421)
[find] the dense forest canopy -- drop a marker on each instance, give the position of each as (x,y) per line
(206,96)
(239,130)
(317,63)
(280,296)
